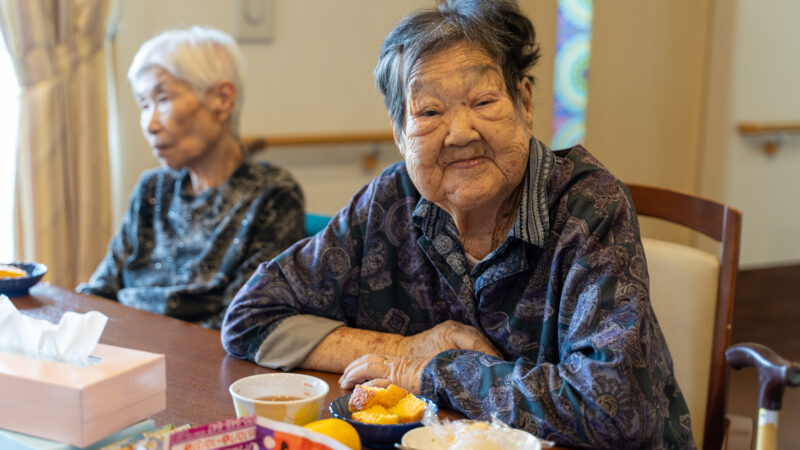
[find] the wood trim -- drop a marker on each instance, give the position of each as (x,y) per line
(729,264)
(256,143)
(722,223)
(762,128)
(697,213)
(775,133)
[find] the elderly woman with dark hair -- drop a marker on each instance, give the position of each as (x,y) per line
(197,228)
(486,272)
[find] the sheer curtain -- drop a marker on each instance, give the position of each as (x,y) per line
(9,118)
(62,198)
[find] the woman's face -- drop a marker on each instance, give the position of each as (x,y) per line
(178,125)
(465,144)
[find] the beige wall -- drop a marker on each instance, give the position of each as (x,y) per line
(669,82)
(314,77)
(646,85)
(765,86)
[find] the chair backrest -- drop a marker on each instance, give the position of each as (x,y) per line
(692,295)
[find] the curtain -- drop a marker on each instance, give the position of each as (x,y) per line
(62,202)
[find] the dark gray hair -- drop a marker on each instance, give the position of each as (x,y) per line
(495,26)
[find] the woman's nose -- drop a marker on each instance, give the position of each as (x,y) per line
(150,121)
(461,130)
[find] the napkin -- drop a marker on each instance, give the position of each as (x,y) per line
(71,341)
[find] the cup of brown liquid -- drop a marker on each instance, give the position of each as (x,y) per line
(286,397)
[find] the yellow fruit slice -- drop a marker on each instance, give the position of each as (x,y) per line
(337,429)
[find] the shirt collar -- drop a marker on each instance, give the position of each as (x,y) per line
(533,221)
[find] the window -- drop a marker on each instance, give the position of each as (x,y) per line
(9,121)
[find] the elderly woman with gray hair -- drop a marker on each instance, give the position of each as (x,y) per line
(486,272)
(197,228)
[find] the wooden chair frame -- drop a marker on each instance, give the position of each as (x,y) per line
(723,224)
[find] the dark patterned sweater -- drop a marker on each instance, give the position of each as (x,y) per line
(186,255)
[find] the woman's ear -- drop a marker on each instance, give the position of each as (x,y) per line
(398,140)
(221,99)
(526,92)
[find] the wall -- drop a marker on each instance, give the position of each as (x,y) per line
(669,82)
(315,77)
(646,84)
(765,87)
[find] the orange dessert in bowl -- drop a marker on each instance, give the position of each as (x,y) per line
(9,271)
(382,415)
(17,277)
(389,405)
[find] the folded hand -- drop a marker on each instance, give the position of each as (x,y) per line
(380,370)
(447,335)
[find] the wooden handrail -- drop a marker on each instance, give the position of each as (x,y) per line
(256,143)
(761,128)
(774,132)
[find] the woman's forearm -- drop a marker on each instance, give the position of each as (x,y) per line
(344,344)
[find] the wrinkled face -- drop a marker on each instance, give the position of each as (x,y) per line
(465,144)
(178,125)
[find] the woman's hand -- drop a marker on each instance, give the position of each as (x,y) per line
(447,335)
(380,370)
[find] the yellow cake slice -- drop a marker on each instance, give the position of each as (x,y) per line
(408,409)
(391,395)
(376,414)
(364,397)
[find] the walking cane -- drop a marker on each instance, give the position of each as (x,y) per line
(774,373)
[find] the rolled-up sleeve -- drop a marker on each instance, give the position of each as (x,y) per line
(285,348)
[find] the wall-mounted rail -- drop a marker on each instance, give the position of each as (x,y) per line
(256,143)
(369,161)
(772,134)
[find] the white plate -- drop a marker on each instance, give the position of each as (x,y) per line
(429,438)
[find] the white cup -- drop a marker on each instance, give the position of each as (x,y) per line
(285,397)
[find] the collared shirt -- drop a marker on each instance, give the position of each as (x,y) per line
(564,298)
(186,255)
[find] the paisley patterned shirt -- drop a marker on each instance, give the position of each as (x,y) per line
(564,298)
(186,255)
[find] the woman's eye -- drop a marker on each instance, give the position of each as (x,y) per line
(428,113)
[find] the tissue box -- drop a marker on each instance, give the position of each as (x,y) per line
(81,404)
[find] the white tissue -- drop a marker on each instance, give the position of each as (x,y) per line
(71,341)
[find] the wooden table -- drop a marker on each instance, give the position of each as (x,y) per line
(199,370)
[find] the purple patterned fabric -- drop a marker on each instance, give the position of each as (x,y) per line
(585,363)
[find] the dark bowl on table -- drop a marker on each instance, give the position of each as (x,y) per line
(20,286)
(376,436)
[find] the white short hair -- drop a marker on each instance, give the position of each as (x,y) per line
(201,56)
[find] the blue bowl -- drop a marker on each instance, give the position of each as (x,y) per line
(372,435)
(20,286)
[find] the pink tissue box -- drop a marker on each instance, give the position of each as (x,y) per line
(80,405)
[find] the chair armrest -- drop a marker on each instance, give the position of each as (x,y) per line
(738,432)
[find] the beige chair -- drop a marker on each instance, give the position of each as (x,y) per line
(692,295)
